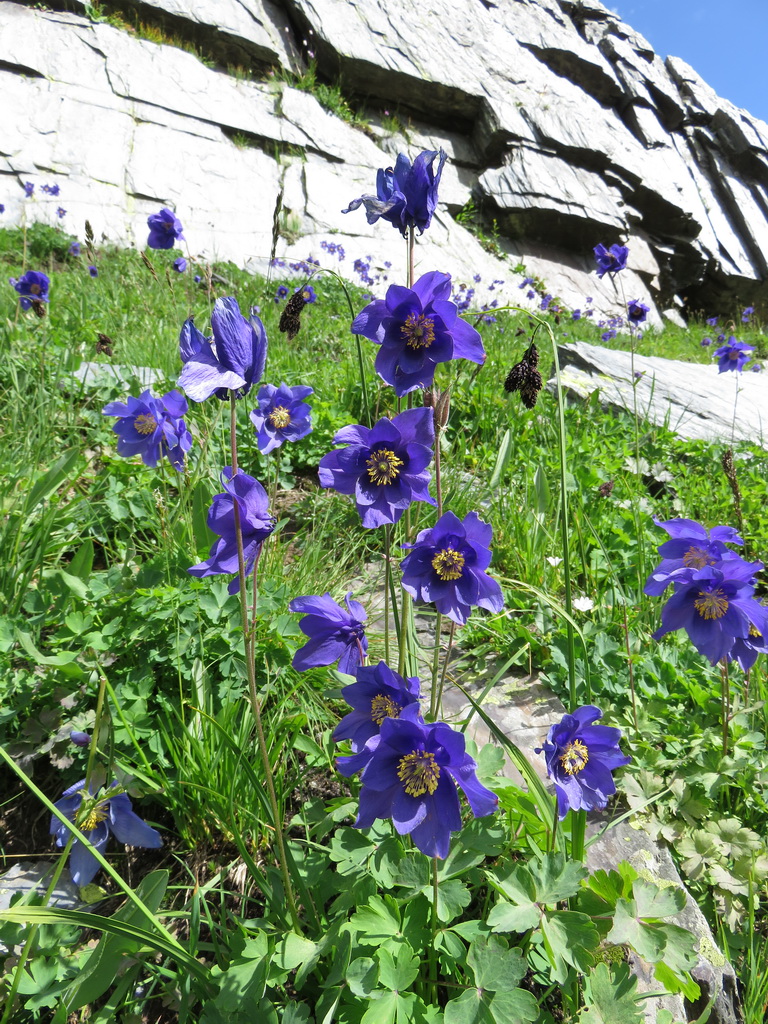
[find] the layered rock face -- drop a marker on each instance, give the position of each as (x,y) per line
(560,122)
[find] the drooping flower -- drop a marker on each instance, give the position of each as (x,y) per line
(152,427)
(379,693)
(281,293)
(407,195)
(29,188)
(164,229)
(334,634)
(80,739)
(417,328)
(308,294)
(32,286)
(2,207)
(235,361)
(93,271)
(580,757)
(610,261)
(256,524)
(384,466)
(734,355)
(746,648)
(746,314)
(446,567)
(410,772)
(715,607)
(690,546)
(705,342)
(61,212)
(52,190)
(179,264)
(637,311)
(74,249)
(105,813)
(712,321)
(526,378)
(282,415)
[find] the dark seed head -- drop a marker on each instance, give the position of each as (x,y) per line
(290,318)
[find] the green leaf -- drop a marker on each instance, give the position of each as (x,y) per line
(362,976)
(509,917)
(81,563)
(496,968)
(381,1010)
(569,938)
(505,451)
(293,950)
(51,480)
(653,902)
(476,1007)
(398,973)
(376,922)
(610,997)
(556,878)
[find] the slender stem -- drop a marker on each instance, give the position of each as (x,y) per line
(725,700)
(578,829)
(251,671)
(387,573)
(435,666)
(439,704)
(432,945)
(630,663)
(411,247)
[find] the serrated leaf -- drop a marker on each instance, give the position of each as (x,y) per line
(452,897)
(377,921)
(654,903)
(362,976)
(398,973)
(507,917)
(610,997)
(476,1007)
(556,878)
(570,938)
(495,966)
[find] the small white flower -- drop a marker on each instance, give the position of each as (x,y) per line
(583,604)
(554,561)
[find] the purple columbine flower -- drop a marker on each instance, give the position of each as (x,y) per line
(74,249)
(379,693)
(2,208)
(706,342)
(93,271)
(80,739)
(283,415)
(417,328)
(384,466)
(52,190)
(410,772)
(407,195)
(281,293)
(746,314)
(32,286)
(446,567)
(334,634)
(235,364)
(715,607)
(580,758)
(164,229)
(690,546)
(179,264)
(712,321)
(637,311)
(105,814)
(308,294)
(61,212)
(152,428)
(256,524)
(29,188)
(610,261)
(734,355)
(746,649)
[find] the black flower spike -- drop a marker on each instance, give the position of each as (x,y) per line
(525,378)
(104,345)
(529,392)
(290,318)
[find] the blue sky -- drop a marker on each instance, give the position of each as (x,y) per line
(726,43)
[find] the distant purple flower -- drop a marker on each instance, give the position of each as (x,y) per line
(74,249)
(164,229)
(61,212)
(637,311)
(446,567)
(29,189)
(198,279)
(576,314)
(256,524)
(308,293)
(2,208)
(32,286)
(546,301)
(691,546)
(179,264)
(407,195)
(746,314)
(706,342)
(334,634)
(608,335)
(757,368)
(580,758)
(113,814)
(417,328)
(734,355)
(379,693)
(283,415)
(610,261)
(281,293)
(746,649)
(152,428)
(384,466)
(80,739)
(93,271)
(235,364)
(410,772)
(712,321)
(52,190)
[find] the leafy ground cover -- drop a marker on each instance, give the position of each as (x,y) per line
(104,631)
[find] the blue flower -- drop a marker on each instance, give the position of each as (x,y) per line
(61,212)
(52,190)
(283,415)
(446,566)
(152,428)
(256,524)
(179,264)
(637,311)
(734,355)
(308,293)
(712,321)
(417,328)
(705,342)
(746,314)
(384,466)
(334,634)
(93,271)
(379,693)
(32,286)
(281,293)
(105,813)
(2,208)
(691,546)
(74,249)
(236,364)
(410,772)
(610,261)
(407,195)
(580,758)
(29,188)
(164,229)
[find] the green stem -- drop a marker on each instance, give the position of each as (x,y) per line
(435,667)
(725,702)
(439,704)
(387,573)
(578,830)
(432,949)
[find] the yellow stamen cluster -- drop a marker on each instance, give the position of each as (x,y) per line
(384,707)
(574,758)
(418,331)
(279,417)
(94,817)
(383,466)
(145,423)
(753,630)
(419,773)
(695,558)
(711,604)
(35,289)
(448,564)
